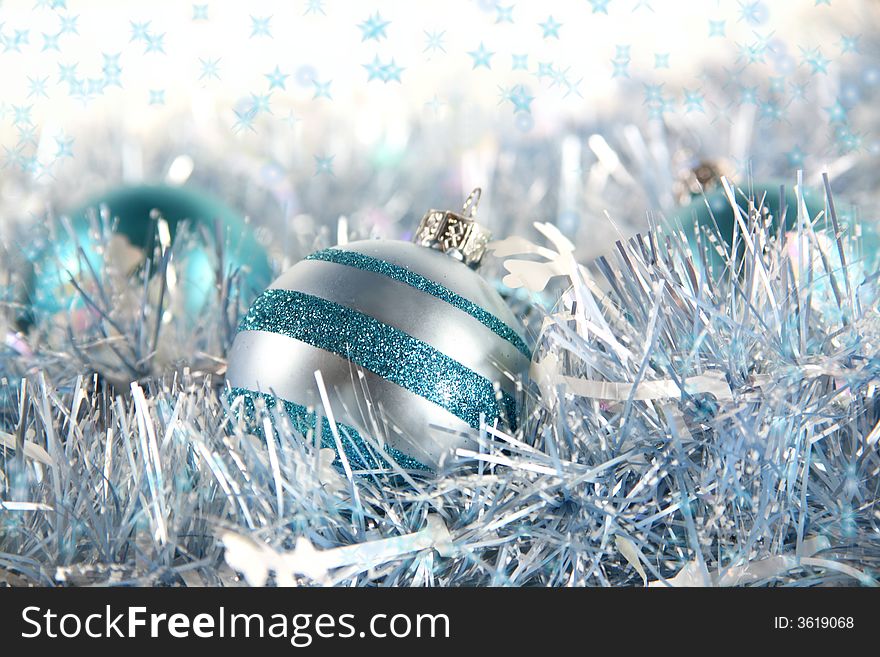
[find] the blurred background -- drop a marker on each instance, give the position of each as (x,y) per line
(584,113)
(278,127)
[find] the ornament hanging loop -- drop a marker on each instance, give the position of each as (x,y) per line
(457,235)
(469,209)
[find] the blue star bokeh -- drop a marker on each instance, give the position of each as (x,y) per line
(348,85)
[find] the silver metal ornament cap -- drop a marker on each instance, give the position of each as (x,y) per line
(456,234)
(700,177)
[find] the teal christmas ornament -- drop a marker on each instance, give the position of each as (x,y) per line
(705,204)
(147,219)
(403,343)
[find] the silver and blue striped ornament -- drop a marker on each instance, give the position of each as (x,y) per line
(414,347)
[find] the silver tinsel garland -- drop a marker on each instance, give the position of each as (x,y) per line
(676,430)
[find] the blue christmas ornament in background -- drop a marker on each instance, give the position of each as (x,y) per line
(705,204)
(147,220)
(404,343)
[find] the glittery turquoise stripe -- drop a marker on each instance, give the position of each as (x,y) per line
(403,275)
(360,454)
(382,349)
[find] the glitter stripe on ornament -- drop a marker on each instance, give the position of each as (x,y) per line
(419,315)
(360,454)
(285,368)
(383,350)
(411,278)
